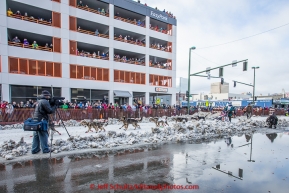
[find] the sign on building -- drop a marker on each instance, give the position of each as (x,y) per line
(159,89)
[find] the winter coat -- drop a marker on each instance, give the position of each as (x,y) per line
(42,110)
(230,111)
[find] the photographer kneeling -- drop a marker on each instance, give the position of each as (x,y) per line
(43,108)
(272,120)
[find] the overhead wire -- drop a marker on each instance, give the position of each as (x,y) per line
(244,37)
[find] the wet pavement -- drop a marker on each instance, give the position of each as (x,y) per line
(257,163)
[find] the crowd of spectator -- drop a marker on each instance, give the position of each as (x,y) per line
(34,45)
(125,59)
(26,16)
(167,12)
(161,47)
(160,64)
(129,39)
(101,11)
(130,20)
(93,55)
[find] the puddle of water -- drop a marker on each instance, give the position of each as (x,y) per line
(257,163)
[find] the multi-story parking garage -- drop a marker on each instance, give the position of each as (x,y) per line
(120,50)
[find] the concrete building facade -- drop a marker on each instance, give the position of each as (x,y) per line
(111,50)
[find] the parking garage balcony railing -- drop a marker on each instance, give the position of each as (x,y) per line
(92,10)
(95,56)
(167,67)
(93,33)
(166,49)
(168,32)
(134,22)
(29,46)
(142,63)
(27,18)
(129,41)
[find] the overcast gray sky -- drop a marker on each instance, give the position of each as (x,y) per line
(203,23)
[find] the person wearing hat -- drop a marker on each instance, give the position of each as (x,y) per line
(42,109)
(231,109)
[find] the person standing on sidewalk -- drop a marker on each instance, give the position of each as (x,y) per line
(43,108)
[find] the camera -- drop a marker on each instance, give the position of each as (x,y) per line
(57,101)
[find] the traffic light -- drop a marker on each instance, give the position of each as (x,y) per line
(245,66)
(234,83)
(187,93)
(222,80)
(221,72)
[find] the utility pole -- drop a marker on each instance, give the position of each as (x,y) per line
(254,68)
(189,79)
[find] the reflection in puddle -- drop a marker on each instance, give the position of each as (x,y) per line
(245,163)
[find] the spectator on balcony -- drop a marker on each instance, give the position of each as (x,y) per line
(117,14)
(51,45)
(46,45)
(120,36)
(103,54)
(138,22)
(78,28)
(35,45)
(96,32)
(31,17)
(80,4)
(125,39)
(25,14)
(9,12)
(94,55)
(18,13)
(50,21)
(145,4)
(25,42)
(16,40)
(102,12)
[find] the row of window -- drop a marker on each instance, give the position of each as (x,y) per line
(52,69)
(157,80)
(34,67)
(129,77)
(89,73)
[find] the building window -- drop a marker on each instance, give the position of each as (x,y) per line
(84,95)
(56,19)
(157,80)
(89,73)
(24,93)
(34,67)
(129,77)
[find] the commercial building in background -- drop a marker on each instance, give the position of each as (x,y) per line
(118,51)
(218,88)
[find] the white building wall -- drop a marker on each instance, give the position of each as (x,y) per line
(66,59)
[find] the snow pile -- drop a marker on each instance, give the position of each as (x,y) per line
(10,149)
(176,132)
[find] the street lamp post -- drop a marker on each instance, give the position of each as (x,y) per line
(254,68)
(189,78)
